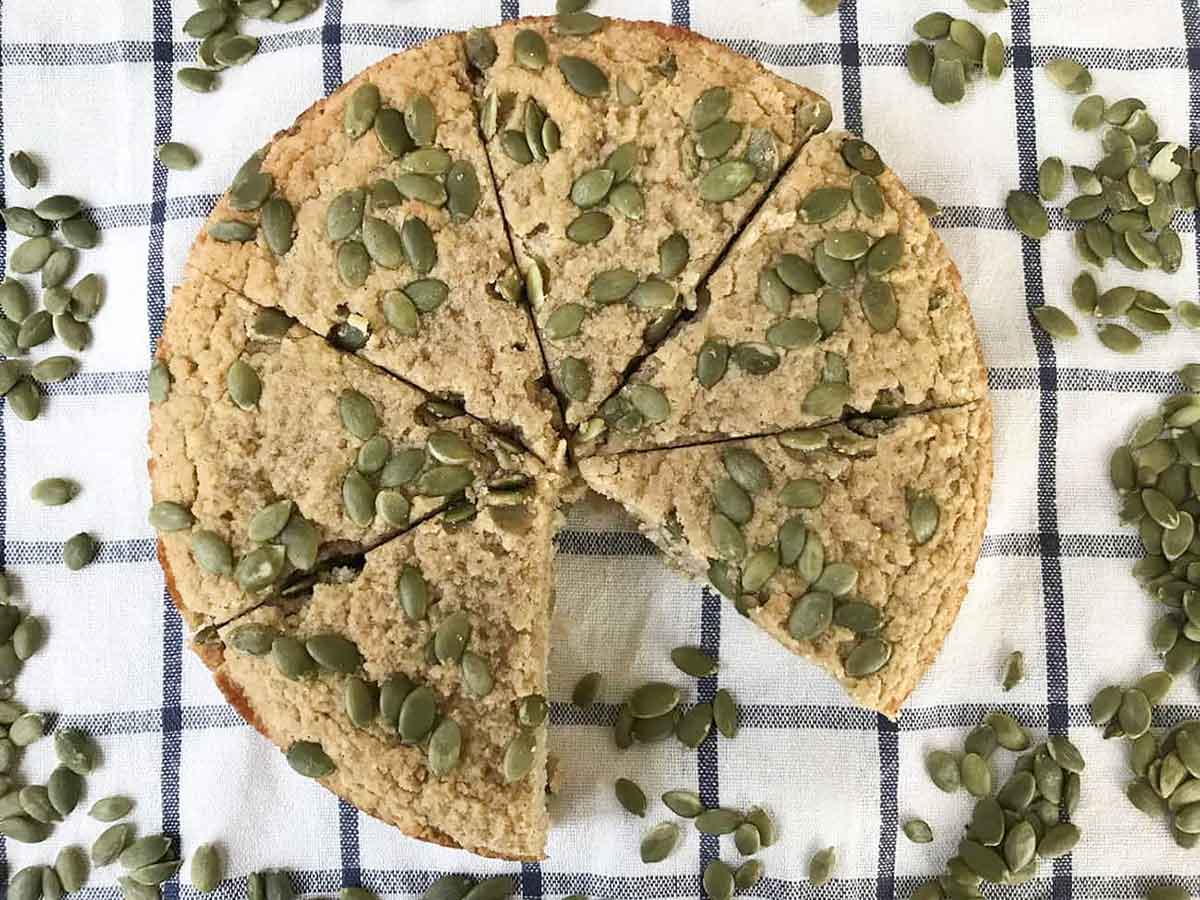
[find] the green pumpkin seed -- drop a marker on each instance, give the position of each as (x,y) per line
(292,658)
(934,26)
(879,305)
(718,880)
(111,843)
(725,716)
(631,797)
(1055,322)
(24,169)
(685,804)
(206,869)
(79,550)
(976,775)
(710,108)
(31,255)
(145,851)
(993,56)
(797,274)
(948,81)
(584,76)
(451,637)
(25,222)
(417,714)
(71,868)
(717,140)
(693,661)
(1028,214)
(659,842)
(308,758)
(590,227)
(530,50)
(823,204)
(361,702)
(175,155)
(58,207)
(918,831)
(712,362)
(443,481)
(1013,672)
(169,516)
(156,873)
(251,192)
(421,120)
(821,867)
(54,491)
(578,24)
(463,191)
(867,197)
(334,653)
(1051,177)
(212,553)
(445,747)
(1009,733)
(755,358)
(28,638)
(811,616)
(201,81)
(803,493)
(358,498)
(35,330)
(651,294)
(919,60)
(587,690)
(943,771)
(626,198)
(345,214)
(1059,840)
(353,263)
(382,241)
(575,378)
(1068,75)
(518,757)
(868,657)
(516,147)
(392,133)
(231,231)
(1118,338)
(726,181)
(1086,181)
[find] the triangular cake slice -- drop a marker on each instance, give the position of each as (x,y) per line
(794,334)
(250,411)
(415,688)
(851,545)
(392,241)
(626,158)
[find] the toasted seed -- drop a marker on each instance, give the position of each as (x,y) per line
(1027,214)
(590,227)
(445,747)
(659,841)
(308,758)
(421,120)
(244,385)
(212,552)
(451,637)
(712,362)
(584,76)
(334,653)
(879,304)
(683,803)
(231,231)
(530,50)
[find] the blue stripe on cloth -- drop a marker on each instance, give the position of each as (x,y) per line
(1057,675)
(172,628)
(531,880)
(708,761)
(681,13)
(889,803)
(331,47)
(510,9)
(851,74)
(348,840)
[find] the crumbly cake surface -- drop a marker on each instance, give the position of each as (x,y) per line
(225,463)
(495,568)
(655,75)
(867,486)
(930,358)
(476,346)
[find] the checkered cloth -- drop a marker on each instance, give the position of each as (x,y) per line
(90,89)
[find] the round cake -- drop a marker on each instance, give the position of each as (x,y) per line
(498,267)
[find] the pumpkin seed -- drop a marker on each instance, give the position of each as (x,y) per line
(575,378)
(530,50)
(918,831)
(31,255)
(231,231)
(518,757)
(948,81)
(445,747)
(712,362)
(421,120)
(443,481)
(212,553)
(1118,339)
(1069,75)
(693,661)
(993,56)
(943,771)
(811,616)
(251,192)
(821,866)
(693,727)
(334,653)
(585,77)
(175,155)
(686,804)
(451,637)
(35,330)
(718,139)
(587,690)
(79,550)
(719,821)
(1051,177)
(631,797)
(345,214)
(71,868)
(659,841)
(653,293)
(1028,214)
(725,714)
(28,638)
(823,204)
(755,358)
(25,222)
(206,869)
(292,658)
(353,263)
(1134,713)
(308,758)
(919,60)
(726,181)
(417,714)
(590,227)
(1058,840)
(54,491)
(111,843)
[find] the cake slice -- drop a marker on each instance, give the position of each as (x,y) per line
(838,299)
(627,157)
(271,451)
(851,545)
(374,220)
(415,688)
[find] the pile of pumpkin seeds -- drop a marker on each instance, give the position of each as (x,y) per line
(1157,477)
(1125,205)
(1026,819)
(742,573)
(654,712)
(957,53)
(461,887)
(216,25)
(66,311)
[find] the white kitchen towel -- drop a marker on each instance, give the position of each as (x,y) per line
(89,89)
